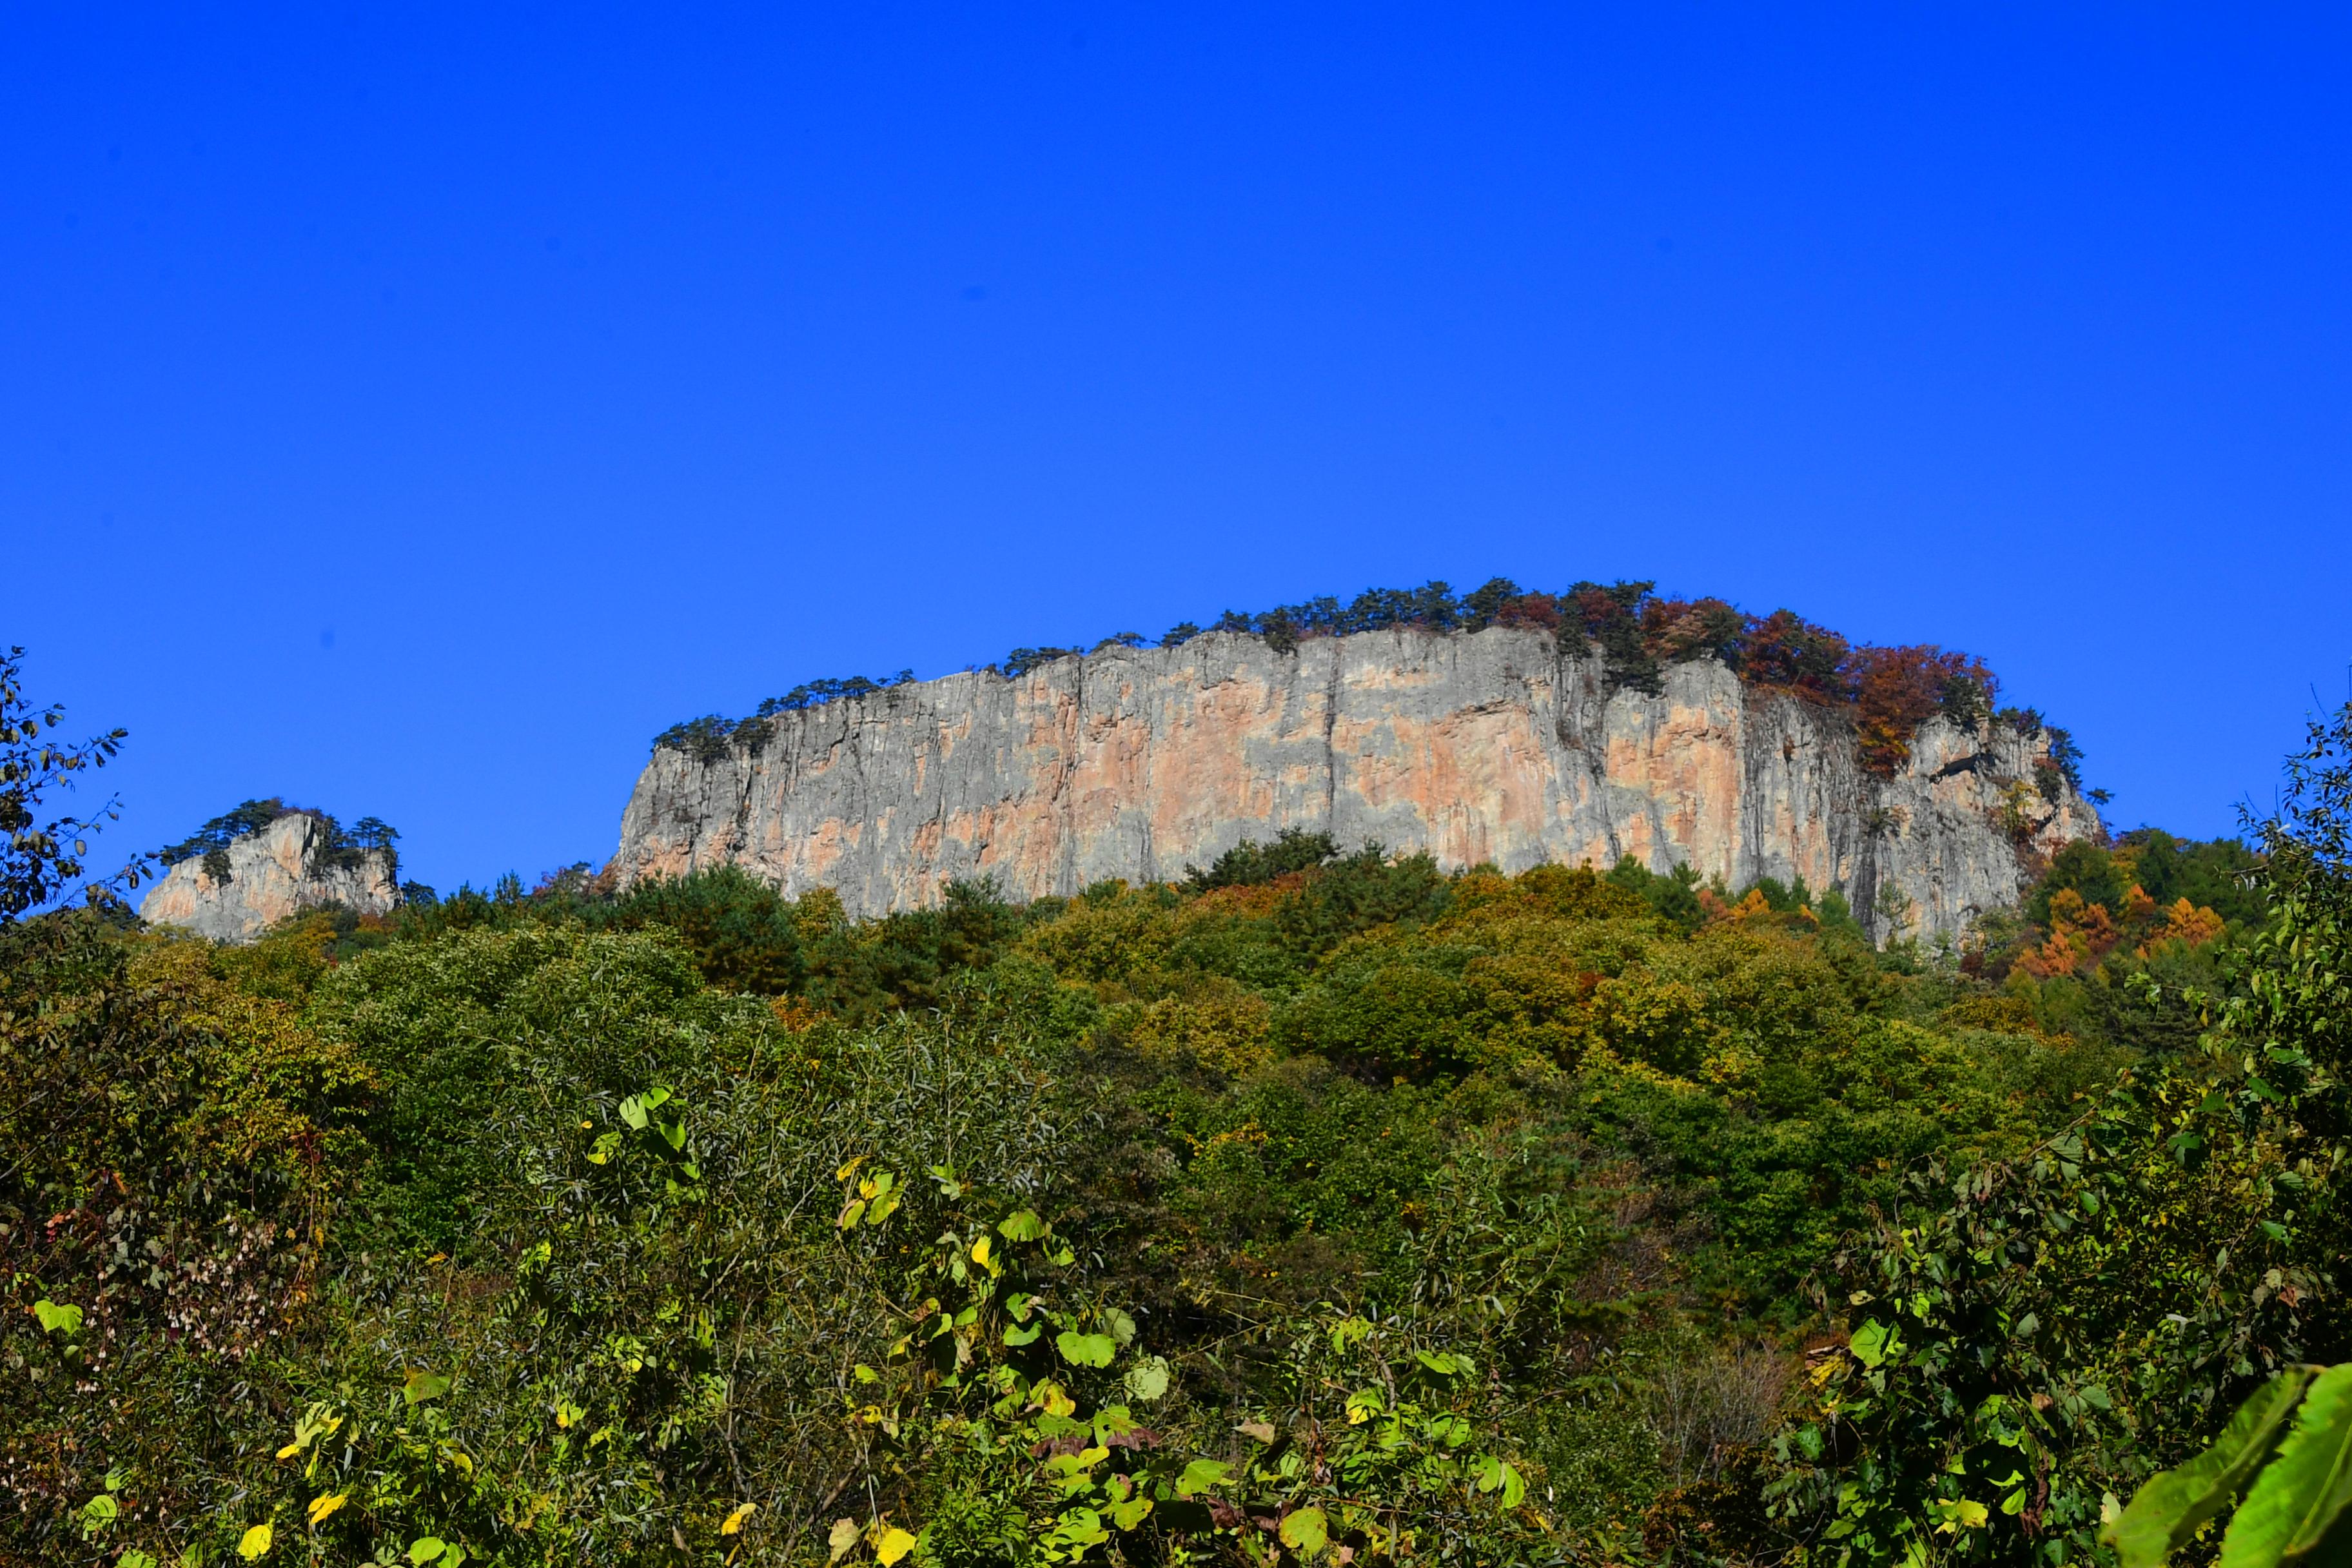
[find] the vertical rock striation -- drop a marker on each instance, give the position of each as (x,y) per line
(1497,746)
(281,870)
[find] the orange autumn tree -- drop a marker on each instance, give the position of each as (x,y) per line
(1897,689)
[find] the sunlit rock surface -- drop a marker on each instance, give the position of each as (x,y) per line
(1496,746)
(282,869)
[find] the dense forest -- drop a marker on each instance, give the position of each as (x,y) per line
(1321,1207)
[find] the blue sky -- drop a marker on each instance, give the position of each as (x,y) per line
(410,412)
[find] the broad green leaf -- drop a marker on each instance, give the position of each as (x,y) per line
(1085,1349)
(1873,1342)
(1130,1513)
(1305,1532)
(1084,1459)
(97,1513)
(2167,1512)
(1014,1336)
(1957,1514)
(56,1320)
(424,1385)
(1121,1326)
(2301,1493)
(1201,1475)
(426,1549)
(255,1543)
(1080,1527)
(1021,1224)
(1495,1475)
(1147,1379)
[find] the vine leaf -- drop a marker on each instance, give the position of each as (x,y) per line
(2167,1512)
(422,1386)
(2301,1494)
(1202,1475)
(1305,1532)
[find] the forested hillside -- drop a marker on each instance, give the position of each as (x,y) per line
(1319,1208)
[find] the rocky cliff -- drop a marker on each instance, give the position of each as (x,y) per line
(1501,746)
(293,864)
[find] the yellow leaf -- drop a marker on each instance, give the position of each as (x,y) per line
(321,1507)
(843,1537)
(289,1451)
(895,1544)
(979,1251)
(257,1542)
(734,1525)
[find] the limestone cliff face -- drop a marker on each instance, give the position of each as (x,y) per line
(279,870)
(1499,746)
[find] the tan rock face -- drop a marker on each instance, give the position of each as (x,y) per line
(277,872)
(1497,747)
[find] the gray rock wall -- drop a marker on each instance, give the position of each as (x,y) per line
(1497,747)
(274,873)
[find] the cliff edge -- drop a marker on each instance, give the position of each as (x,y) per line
(1506,746)
(298,861)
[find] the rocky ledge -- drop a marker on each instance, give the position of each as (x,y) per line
(295,863)
(1506,746)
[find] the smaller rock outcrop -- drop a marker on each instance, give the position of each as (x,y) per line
(299,861)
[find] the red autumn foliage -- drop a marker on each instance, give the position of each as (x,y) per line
(1540,610)
(1897,689)
(1676,629)
(1788,652)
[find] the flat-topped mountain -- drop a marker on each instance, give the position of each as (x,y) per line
(1515,742)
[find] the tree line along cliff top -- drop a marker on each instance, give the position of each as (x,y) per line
(1637,633)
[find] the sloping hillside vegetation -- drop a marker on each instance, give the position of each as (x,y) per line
(1319,1208)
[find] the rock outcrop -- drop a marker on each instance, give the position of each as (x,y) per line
(1499,746)
(290,866)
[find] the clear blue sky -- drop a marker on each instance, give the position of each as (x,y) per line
(411,410)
